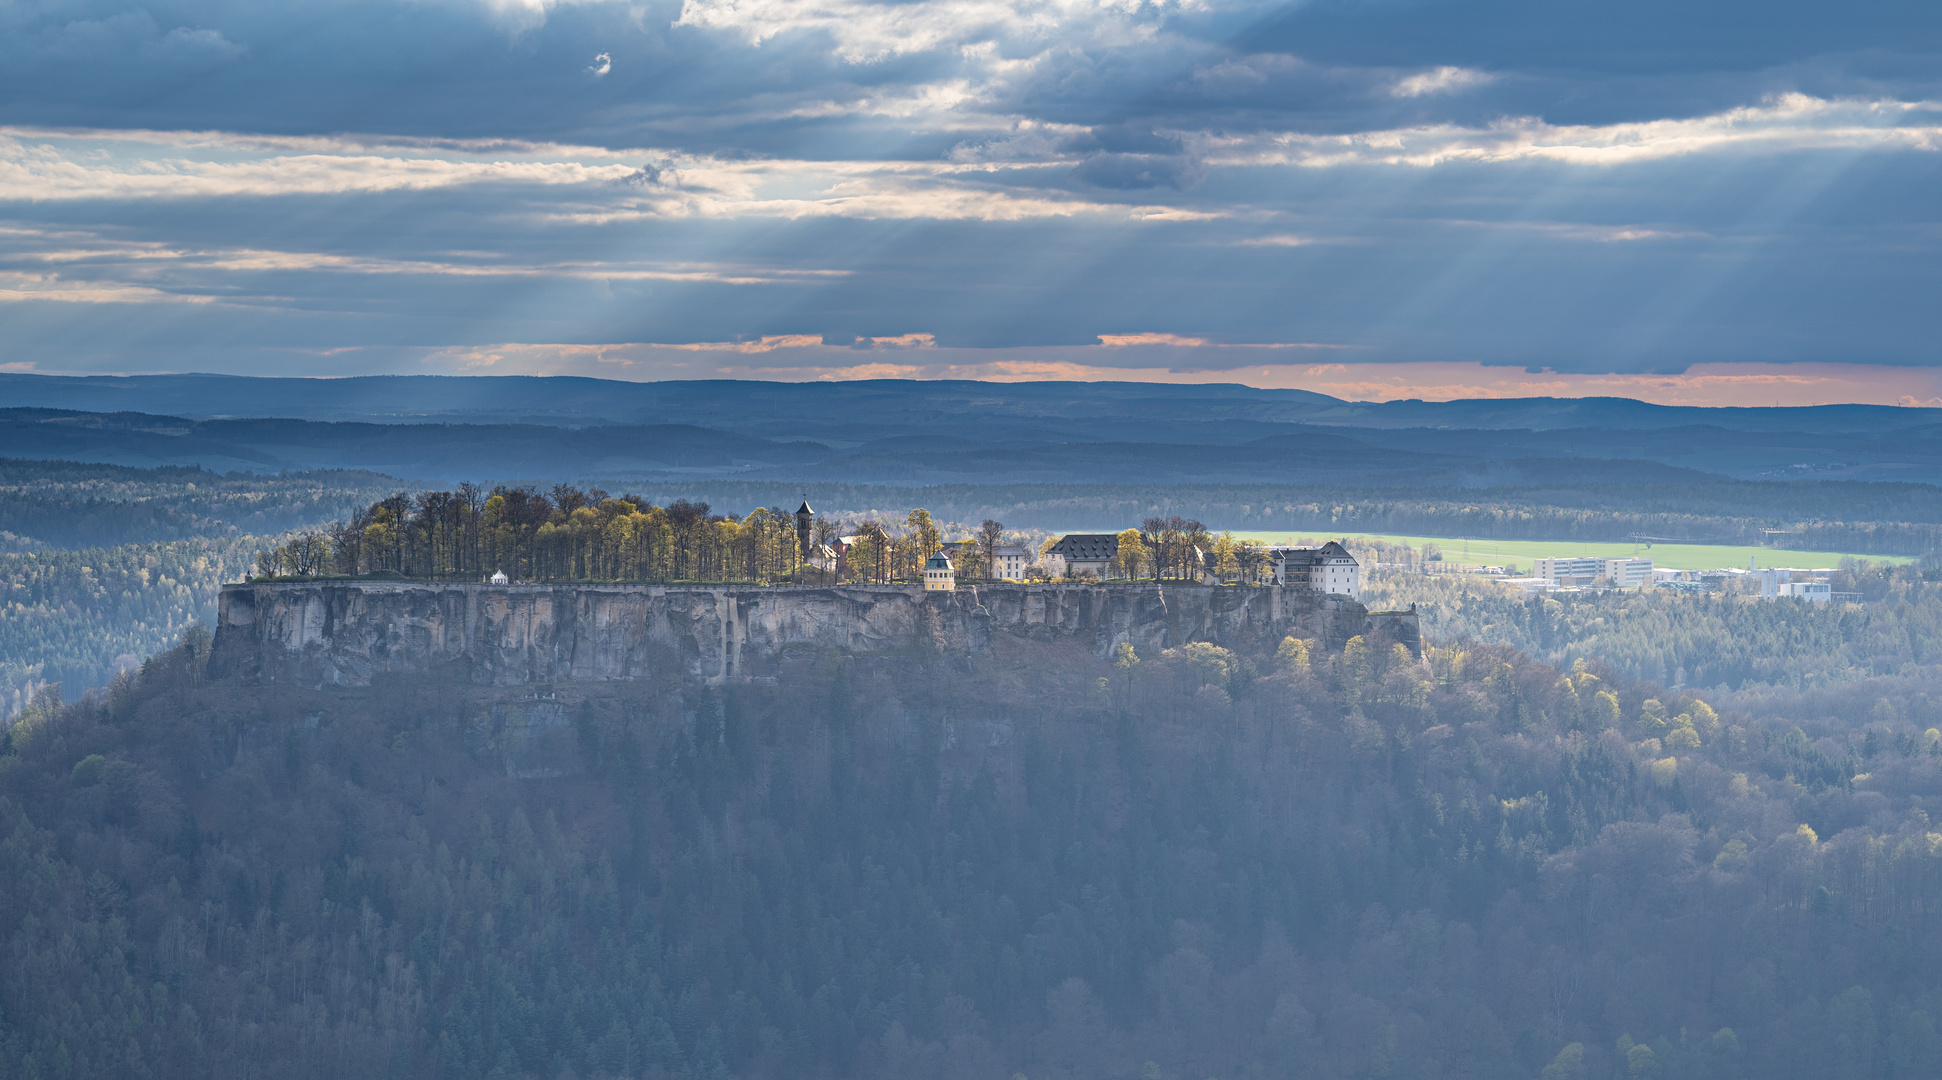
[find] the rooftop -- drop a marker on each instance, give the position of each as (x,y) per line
(1086,547)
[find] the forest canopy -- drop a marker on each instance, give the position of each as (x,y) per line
(569,534)
(1186,863)
(1726,641)
(66,504)
(75,618)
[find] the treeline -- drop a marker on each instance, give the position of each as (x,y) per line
(1178,548)
(1183,864)
(570,534)
(1867,518)
(66,504)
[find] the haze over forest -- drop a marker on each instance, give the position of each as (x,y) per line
(1583,835)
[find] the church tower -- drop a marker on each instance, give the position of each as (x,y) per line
(804,515)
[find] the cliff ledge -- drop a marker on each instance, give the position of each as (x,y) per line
(346,633)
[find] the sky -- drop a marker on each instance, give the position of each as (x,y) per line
(1721,203)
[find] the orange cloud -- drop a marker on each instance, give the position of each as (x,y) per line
(1115,341)
(872,371)
(760,345)
(1702,384)
(803,357)
(1175,341)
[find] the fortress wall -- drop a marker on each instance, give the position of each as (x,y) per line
(347,633)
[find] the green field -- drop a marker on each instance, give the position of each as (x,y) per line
(1518,554)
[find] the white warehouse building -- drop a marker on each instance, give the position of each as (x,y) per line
(1589,572)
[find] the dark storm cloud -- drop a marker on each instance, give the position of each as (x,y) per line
(1584,188)
(463,69)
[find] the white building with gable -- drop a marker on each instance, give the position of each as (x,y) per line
(1327,569)
(1009,562)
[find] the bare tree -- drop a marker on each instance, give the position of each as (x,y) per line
(1153,534)
(313,554)
(878,539)
(1194,540)
(989,535)
(471,499)
(824,533)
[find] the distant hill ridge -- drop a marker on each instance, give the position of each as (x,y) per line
(442,429)
(576,400)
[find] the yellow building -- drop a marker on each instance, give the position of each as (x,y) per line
(939,576)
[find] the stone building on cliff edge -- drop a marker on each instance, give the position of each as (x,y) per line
(1329,569)
(829,560)
(939,574)
(1081,554)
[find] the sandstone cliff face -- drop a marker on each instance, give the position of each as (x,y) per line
(347,633)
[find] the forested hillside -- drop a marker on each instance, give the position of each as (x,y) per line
(900,406)
(102,566)
(1182,865)
(901,431)
(65,504)
(1891,644)
(77,617)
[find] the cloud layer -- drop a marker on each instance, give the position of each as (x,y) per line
(1418,183)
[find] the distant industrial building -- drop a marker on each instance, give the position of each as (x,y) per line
(1778,581)
(1580,573)
(1588,572)
(1771,583)
(1628,573)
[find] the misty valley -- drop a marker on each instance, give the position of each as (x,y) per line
(371,814)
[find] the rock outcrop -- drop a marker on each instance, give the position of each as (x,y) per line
(348,633)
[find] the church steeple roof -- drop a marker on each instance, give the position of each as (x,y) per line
(804,508)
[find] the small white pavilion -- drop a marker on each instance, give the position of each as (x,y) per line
(939,575)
